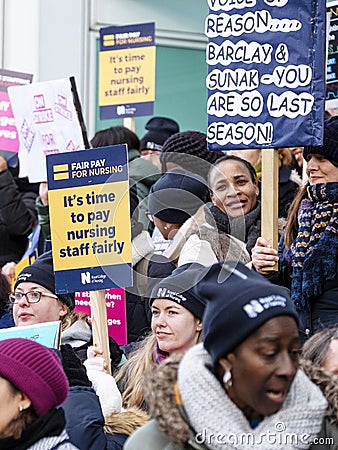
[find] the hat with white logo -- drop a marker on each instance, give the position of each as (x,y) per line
(239,301)
(180,288)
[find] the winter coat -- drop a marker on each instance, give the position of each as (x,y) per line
(84,419)
(147,268)
(183,396)
(45,433)
(18,217)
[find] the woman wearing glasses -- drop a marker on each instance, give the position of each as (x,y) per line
(34,301)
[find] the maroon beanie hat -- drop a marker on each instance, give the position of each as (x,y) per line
(36,371)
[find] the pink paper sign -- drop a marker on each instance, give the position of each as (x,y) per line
(9,139)
(116,312)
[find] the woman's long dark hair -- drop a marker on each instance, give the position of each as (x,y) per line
(291,229)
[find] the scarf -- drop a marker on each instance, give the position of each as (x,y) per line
(211,413)
(159,356)
(313,254)
(245,228)
(51,424)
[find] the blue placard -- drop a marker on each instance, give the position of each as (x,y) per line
(90,219)
(266,73)
(127,71)
(47,333)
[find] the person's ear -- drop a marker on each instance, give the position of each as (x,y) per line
(199,325)
(24,401)
(225,364)
(63,309)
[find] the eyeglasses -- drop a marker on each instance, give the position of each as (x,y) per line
(31,296)
(150,217)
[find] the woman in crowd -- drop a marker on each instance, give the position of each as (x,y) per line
(35,301)
(235,208)
(308,255)
(233,391)
(176,325)
(33,385)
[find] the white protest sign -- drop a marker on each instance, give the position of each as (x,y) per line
(47,123)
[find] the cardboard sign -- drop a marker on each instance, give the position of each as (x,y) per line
(47,122)
(116,312)
(90,219)
(265,88)
(332,57)
(127,71)
(47,333)
(9,139)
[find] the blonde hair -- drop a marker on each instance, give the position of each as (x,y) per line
(70,318)
(285,156)
(132,371)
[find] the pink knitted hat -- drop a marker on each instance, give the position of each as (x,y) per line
(36,371)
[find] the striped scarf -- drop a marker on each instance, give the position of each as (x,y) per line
(314,252)
(159,356)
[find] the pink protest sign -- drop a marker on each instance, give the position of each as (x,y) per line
(116,312)
(9,139)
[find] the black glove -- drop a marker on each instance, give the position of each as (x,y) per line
(115,353)
(73,367)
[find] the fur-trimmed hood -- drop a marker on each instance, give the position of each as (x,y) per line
(125,422)
(328,383)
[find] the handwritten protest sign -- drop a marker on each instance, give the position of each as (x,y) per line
(265,88)
(9,140)
(90,219)
(332,59)
(116,311)
(47,333)
(127,71)
(47,122)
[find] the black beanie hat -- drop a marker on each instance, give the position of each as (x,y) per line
(42,272)
(160,129)
(179,287)
(329,149)
(239,301)
(177,195)
(189,143)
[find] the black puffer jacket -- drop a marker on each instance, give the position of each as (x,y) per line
(18,216)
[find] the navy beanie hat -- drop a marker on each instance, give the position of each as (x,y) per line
(42,272)
(159,130)
(329,149)
(177,195)
(239,301)
(180,288)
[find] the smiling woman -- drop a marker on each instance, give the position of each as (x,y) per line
(176,325)
(234,193)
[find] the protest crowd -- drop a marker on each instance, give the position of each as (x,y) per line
(228,342)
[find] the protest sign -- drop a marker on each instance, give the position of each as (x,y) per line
(90,219)
(47,118)
(9,140)
(47,333)
(332,57)
(116,312)
(265,88)
(127,71)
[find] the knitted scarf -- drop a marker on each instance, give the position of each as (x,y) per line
(313,254)
(159,356)
(245,228)
(221,424)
